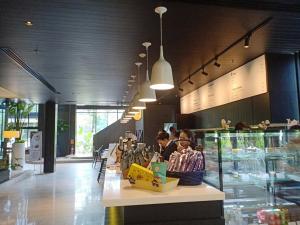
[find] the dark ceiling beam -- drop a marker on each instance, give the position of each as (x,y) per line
(246,4)
(17,59)
(99,107)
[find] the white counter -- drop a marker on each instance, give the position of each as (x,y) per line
(118,192)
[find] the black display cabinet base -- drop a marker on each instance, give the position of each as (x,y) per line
(191,213)
(4,176)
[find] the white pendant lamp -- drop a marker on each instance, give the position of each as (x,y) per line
(147,94)
(128,116)
(131,112)
(124,121)
(162,77)
(136,104)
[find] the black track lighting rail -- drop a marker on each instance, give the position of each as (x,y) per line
(247,35)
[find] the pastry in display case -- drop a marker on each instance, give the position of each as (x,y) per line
(259,171)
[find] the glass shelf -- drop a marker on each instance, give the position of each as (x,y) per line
(257,170)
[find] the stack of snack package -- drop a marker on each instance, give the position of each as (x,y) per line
(273,216)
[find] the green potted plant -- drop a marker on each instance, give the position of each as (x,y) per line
(18,112)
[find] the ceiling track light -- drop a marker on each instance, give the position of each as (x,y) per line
(216,62)
(204,72)
(247,41)
(243,39)
(190,81)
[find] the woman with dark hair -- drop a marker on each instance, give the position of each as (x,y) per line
(186,140)
(167,146)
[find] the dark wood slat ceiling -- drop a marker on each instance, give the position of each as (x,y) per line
(86,48)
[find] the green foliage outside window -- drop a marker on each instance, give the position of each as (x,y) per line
(18,111)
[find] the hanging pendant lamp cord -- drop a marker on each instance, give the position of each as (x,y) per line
(138,79)
(160,29)
(147,62)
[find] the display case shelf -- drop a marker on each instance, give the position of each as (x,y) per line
(257,170)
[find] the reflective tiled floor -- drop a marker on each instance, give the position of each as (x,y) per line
(70,196)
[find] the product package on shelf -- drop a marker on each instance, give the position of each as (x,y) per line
(273,216)
(187,165)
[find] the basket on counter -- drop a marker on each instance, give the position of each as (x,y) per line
(188,178)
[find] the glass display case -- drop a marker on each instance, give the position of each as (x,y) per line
(259,171)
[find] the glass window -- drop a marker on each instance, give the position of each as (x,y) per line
(111,118)
(120,113)
(101,121)
(89,122)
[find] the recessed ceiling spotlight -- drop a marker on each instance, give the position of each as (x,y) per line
(247,41)
(203,72)
(28,23)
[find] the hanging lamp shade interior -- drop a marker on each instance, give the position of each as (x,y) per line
(147,94)
(162,76)
(137,105)
(133,112)
(128,116)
